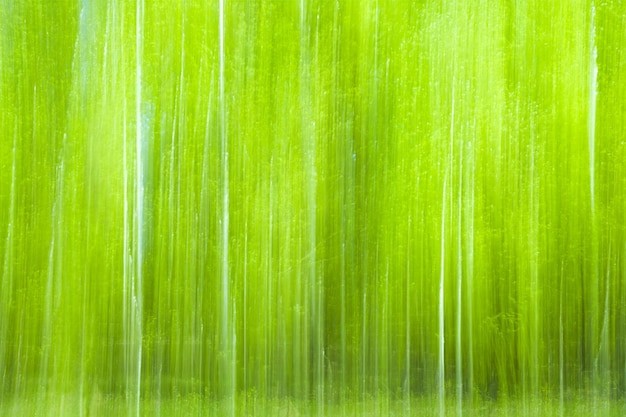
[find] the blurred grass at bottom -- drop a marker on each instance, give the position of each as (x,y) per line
(304,198)
(98,404)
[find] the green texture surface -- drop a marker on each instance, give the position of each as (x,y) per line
(312,207)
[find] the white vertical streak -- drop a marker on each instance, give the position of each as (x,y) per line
(603,348)
(407,313)
(591,132)
(8,249)
(139,183)
(534,263)
(204,195)
(302,336)
(309,145)
(245,310)
(126,217)
(225,167)
(561,350)
(443,265)
(127,253)
(470,275)
(138,142)
(311,294)
(459,290)
(593,98)
(227,337)
(6,283)
(442,364)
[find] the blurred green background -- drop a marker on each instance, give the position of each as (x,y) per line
(332,206)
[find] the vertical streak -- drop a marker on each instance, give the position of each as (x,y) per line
(561,348)
(534,267)
(310,295)
(407,329)
(603,351)
(244,324)
(8,253)
(459,344)
(441,374)
(442,268)
(224,143)
(6,281)
(593,98)
(228,367)
(374,116)
(139,196)
(591,127)
(138,139)
(224,146)
(470,276)
(127,255)
(126,219)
